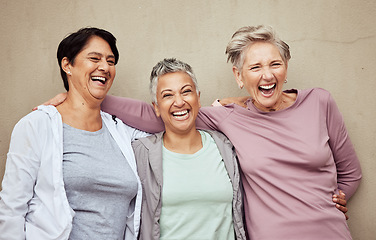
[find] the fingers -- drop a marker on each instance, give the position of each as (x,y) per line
(342,194)
(341,202)
(55,101)
(342,208)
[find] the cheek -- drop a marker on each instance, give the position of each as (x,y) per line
(162,109)
(250,79)
(251,84)
(113,72)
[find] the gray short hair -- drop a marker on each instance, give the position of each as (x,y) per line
(246,36)
(169,65)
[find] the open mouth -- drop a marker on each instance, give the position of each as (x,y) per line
(181,114)
(267,90)
(99,79)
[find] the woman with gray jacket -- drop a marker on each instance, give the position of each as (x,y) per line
(190,178)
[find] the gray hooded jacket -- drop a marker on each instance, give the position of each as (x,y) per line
(148,152)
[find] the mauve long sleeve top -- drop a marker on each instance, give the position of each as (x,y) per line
(292,161)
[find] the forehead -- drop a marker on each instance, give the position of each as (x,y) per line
(262,50)
(98,45)
(173,81)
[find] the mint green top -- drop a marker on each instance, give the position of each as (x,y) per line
(197,195)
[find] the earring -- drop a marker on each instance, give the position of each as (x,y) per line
(286,80)
(69,73)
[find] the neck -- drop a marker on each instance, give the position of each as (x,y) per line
(187,143)
(285,101)
(78,113)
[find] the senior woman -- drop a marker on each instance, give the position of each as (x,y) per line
(293,148)
(190,178)
(70,171)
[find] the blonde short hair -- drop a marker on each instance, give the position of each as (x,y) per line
(246,36)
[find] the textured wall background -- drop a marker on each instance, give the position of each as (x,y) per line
(333,46)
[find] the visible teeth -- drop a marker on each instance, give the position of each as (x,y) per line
(180,113)
(267,87)
(102,79)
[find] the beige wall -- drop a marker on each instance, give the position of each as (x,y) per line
(333,46)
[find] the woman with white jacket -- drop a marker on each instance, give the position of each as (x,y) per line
(70,171)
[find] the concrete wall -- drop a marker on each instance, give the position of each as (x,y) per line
(333,46)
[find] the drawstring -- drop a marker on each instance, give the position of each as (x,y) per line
(114,118)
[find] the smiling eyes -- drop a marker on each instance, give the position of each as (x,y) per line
(110,61)
(258,67)
(184,92)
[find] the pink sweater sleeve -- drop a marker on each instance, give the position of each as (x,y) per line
(348,167)
(135,113)
(141,115)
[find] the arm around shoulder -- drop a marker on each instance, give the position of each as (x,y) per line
(135,113)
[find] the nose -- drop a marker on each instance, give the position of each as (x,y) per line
(103,66)
(267,74)
(179,100)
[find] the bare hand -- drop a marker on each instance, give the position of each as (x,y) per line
(340,200)
(241,101)
(55,101)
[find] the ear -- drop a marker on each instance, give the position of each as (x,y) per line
(66,66)
(238,77)
(156,109)
(199,99)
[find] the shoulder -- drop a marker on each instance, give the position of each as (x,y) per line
(218,110)
(219,138)
(149,142)
(39,118)
(315,94)
(34,130)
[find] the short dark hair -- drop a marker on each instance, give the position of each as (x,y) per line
(72,45)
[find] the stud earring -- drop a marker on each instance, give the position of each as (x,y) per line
(286,80)
(69,73)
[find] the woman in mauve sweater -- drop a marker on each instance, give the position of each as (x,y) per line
(293,148)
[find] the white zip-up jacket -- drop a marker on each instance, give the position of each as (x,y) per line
(33,202)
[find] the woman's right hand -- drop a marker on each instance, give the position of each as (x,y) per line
(55,101)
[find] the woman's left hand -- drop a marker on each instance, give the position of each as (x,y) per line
(340,200)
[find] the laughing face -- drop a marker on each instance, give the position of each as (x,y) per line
(177,102)
(263,74)
(93,71)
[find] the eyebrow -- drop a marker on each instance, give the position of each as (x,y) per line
(100,54)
